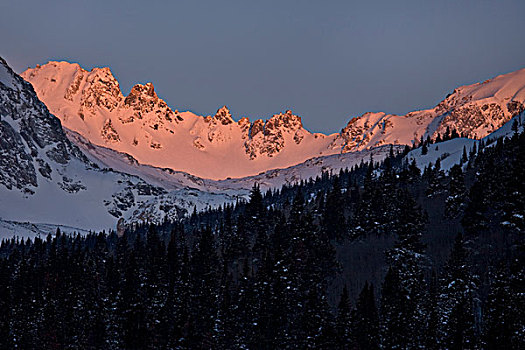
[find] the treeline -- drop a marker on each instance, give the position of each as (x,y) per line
(380,256)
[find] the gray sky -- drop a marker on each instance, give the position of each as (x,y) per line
(326,60)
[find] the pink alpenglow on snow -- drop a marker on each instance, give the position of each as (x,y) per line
(217,147)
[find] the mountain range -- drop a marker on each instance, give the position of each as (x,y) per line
(77,153)
(216,147)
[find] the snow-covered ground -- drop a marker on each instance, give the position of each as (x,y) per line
(31,230)
(451,151)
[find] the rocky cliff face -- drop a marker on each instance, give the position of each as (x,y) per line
(268,138)
(31,139)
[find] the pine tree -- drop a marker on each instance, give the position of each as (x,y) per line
(317,326)
(204,280)
(5,305)
(504,324)
(431,336)
(156,291)
(132,303)
(397,313)
(464,157)
(414,173)
(457,193)
(424,149)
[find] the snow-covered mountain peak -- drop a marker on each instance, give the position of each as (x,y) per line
(144,126)
(140,91)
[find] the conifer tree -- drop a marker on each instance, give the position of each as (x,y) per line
(501,315)
(204,280)
(334,222)
(403,292)
(435,182)
(456,199)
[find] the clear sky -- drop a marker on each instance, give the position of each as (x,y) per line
(326,60)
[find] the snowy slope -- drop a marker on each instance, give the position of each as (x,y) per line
(23,230)
(236,188)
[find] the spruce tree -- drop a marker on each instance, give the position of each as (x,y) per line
(334,222)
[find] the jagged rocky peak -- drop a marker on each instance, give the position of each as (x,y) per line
(143,100)
(100,90)
(244,121)
(257,127)
(140,94)
(287,121)
(223,116)
(269,138)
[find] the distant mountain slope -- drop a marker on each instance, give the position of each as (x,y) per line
(239,187)
(450,152)
(145,127)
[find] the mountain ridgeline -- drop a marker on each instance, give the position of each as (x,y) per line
(378,256)
(216,147)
